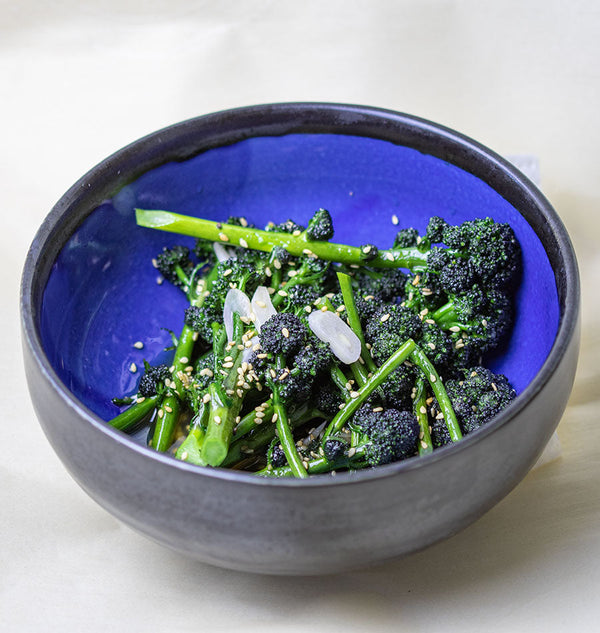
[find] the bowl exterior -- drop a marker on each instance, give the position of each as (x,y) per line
(322,525)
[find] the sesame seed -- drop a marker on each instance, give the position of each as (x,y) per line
(223,372)
(138,345)
(340,309)
(297,232)
(140,399)
(419,240)
(171,369)
(341,406)
(389,256)
(282,293)
(168,409)
(189,369)
(454,328)
(255,347)
(377,409)
(292,273)
(260,414)
(324,309)
(432,377)
(239,393)
(424,312)
(459,345)
(206,398)
(227,272)
(206,372)
(268,272)
(277,264)
(155,262)
(308,309)
(431,345)
(422,410)
(351,452)
(223,237)
(285,332)
(160,413)
(228,358)
(473,374)
(159,280)
(423,444)
(184,455)
(439,416)
(133,368)
(484,322)
(275,417)
(367,249)
(228,365)
(426,292)
(184,360)
(430,321)
(416,280)
(271,290)
(244,222)
(217,419)
(307,251)
(354,394)
(494,387)
(385,317)
(354,266)
(395,219)
(243,243)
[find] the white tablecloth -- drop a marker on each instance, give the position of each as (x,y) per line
(79,80)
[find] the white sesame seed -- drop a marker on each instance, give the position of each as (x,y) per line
(243,243)
(439,416)
(228,365)
(206,398)
(377,409)
(423,444)
(168,409)
(297,232)
(354,394)
(138,345)
(140,399)
(395,219)
(340,309)
(244,222)
(160,413)
(422,410)
(385,317)
(133,368)
(184,455)
(432,377)
(217,419)
(282,293)
(285,332)
(454,328)
(351,452)
(223,237)
(277,264)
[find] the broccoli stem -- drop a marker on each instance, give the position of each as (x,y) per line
(445,316)
(219,429)
(318,466)
(374,381)
(420,409)
(134,414)
(286,438)
(191,448)
(249,421)
(265,432)
(345,282)
(166,422)
(424,364)
(260,240)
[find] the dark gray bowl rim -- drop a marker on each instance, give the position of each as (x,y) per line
(303,117)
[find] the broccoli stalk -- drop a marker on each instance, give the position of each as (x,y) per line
(296,244)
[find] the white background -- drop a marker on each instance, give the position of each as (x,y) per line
(79,80)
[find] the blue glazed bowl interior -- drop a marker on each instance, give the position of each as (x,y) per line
(102,294)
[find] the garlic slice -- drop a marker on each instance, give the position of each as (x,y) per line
(222,253)
(262,306)
(235,301)
(330,328)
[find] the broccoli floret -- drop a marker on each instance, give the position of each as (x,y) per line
(327,398)
(383,286)
(388,436)
(479,397)
(314,358)
(406,238)
(175,265)
(283,333)
(334,448)
(320,226)
(397,389)
(152,379)
(389,328)
(289,226)
(275,455)
(435,229)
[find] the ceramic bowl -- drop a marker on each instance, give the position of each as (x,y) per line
(87,297)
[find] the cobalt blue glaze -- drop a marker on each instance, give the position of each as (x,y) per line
(102,295)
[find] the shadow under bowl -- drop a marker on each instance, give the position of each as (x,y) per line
(87,297)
